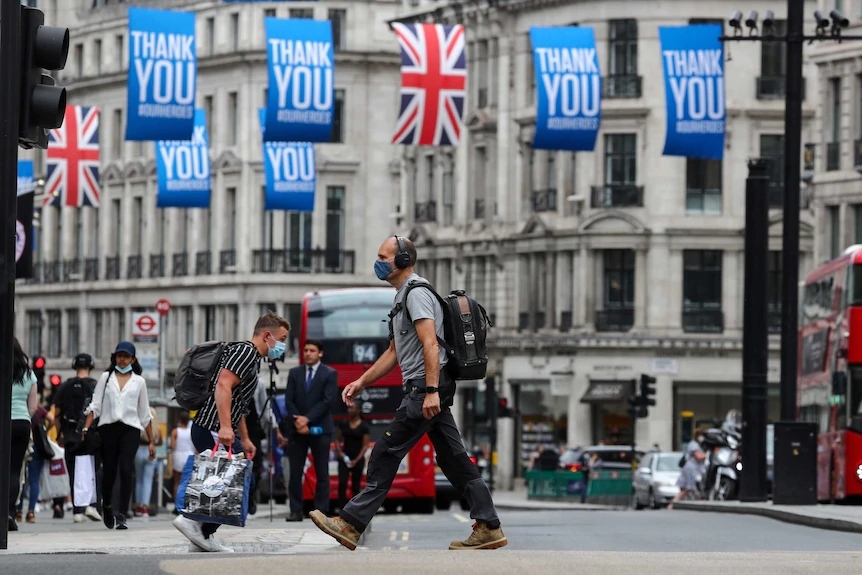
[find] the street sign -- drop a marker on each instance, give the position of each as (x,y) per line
(145,327)
(163,306)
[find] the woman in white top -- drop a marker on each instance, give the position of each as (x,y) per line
(181,448)
(121,404)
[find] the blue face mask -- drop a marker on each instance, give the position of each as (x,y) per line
(382,270)
(277,351)
(123,370)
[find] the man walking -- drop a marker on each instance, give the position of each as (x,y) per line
(425,409)
(223,414)
(311,390)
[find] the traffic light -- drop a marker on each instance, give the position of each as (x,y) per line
(647,389)
(39,371)
(503,409)
(55,380)
(41,105)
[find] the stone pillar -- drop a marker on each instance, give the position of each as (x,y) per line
(550,289)
(640,288)
(533,290)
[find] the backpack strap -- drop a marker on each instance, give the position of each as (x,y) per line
(403,305)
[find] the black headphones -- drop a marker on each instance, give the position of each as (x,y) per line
(402,258)
(83,360)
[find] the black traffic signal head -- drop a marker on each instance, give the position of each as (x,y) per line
(647,389)
(42,105)
(39,368)
(56,380)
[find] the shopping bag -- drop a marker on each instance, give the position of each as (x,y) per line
(84,490)
(55,477)
(214,488)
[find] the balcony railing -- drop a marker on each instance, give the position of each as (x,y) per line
(180,265)
(157,265)
(775,318)
(773,88)
(203,263)
(703,321)
(479,209)
(617,196)
(303,261)
(623,86)
(72,271)
(425,212)
(544,200)
(135,267)
(112,268)
(226,261)
(833,156)
(51,272)
(91,269)
(620,320)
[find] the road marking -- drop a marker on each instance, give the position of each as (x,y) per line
(403,549)
(460,518)
(405,536)
(393,536)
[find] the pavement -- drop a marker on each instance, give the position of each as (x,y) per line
(834,517)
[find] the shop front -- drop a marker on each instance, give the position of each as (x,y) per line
(611,422)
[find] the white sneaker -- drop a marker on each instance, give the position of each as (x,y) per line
(92,513)
(192,531)
(214,546)
(78,518)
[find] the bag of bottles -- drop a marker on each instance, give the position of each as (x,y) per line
(214,488)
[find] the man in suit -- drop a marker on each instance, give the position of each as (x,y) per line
(311,391)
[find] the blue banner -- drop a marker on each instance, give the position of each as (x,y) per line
(301,94)
(568,88)
(693,62)
(24,238)
(183,168)
(26,182)
(290,173)
(162,75)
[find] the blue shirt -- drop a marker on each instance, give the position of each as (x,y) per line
(19,397)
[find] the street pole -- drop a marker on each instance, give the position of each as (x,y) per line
(755,333)
(790,224)
(491,408)
(10,63)
(163,322)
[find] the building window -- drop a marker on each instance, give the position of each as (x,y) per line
(619,278)
(117,133)
(139,226)
(772,148)
(34,333)
(620,159)
(338,118)
(773,64)
(702,291)
(267,226)
(210,35)
(834,231)
(429,173)
(98,332)
(209,322)
(74,343)
(55,332)
(234,30)
(306,13)
(857,224)
(208,113)
(230,201)
(339,29)
(623,49)
(97,57)
(232,117)
(79,60)
(833,146)
(120,48)
(269,13)
(703,186)
(79,235)
(190,326)
(448,196)
(297,232)
(335,218)
(121,324)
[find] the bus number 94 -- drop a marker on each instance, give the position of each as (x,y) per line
(364,353)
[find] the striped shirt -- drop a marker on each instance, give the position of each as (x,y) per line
(243,359)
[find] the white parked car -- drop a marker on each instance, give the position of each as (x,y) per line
(654,482)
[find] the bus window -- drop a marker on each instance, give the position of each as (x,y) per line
(854,294)
(349,316)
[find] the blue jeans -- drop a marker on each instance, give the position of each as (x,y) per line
(202,439)
(34,472)
(144,471)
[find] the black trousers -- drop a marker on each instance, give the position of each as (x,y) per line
(20,442)
(69,456)
(355,475)
(119,445)
(297,451)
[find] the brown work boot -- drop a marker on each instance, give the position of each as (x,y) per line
(336,527)
(482,538)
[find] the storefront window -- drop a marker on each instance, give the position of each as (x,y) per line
(543,419)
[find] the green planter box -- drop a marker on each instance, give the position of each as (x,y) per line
(610,487)
(557,485)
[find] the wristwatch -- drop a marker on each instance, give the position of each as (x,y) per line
(430,389)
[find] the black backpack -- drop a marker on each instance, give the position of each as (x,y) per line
(465,329)
(193,380)
(77,394)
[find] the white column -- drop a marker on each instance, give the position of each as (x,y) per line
(640,288)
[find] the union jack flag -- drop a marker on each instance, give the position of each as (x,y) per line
(72,160)
(433,81)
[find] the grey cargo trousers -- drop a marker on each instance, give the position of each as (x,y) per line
(405,430)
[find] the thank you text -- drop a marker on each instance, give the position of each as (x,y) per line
(184,168)
(290,173)
(162,75)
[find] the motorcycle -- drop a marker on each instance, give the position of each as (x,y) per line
(724,464)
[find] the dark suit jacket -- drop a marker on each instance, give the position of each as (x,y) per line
(316,403)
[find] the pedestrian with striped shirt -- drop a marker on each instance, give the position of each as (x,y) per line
(222,417)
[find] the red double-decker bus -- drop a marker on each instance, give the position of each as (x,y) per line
(829,387)
(352,324)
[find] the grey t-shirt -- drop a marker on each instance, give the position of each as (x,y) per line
(422,305)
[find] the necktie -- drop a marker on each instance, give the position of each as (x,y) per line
(309,378)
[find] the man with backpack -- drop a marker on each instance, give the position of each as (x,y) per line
(429,366)
(69,402)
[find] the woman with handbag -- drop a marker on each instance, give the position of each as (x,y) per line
(41,452)
(120,402)
(25,400)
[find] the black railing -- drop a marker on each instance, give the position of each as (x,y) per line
(203,263)
(523,321)
(857,155)
(112,268)
(622,86)
(774,318)
(774,88)
(565,321)
(303,261)
(703,321)
(479,209)
(51,272)
(72,271)
(621,319)
(91,269)
(226,260)
(134,267)
(617,196)
(425,212)
(544,200)
(180,265)
(157,265)
(833,156)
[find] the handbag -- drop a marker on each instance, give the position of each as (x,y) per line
(92,441)
(41,445)
(214,488)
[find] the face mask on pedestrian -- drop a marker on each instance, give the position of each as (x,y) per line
(382,269)
(277,350)
(700,439)
(123,370)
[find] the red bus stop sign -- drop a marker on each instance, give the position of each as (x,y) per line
(163,306)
